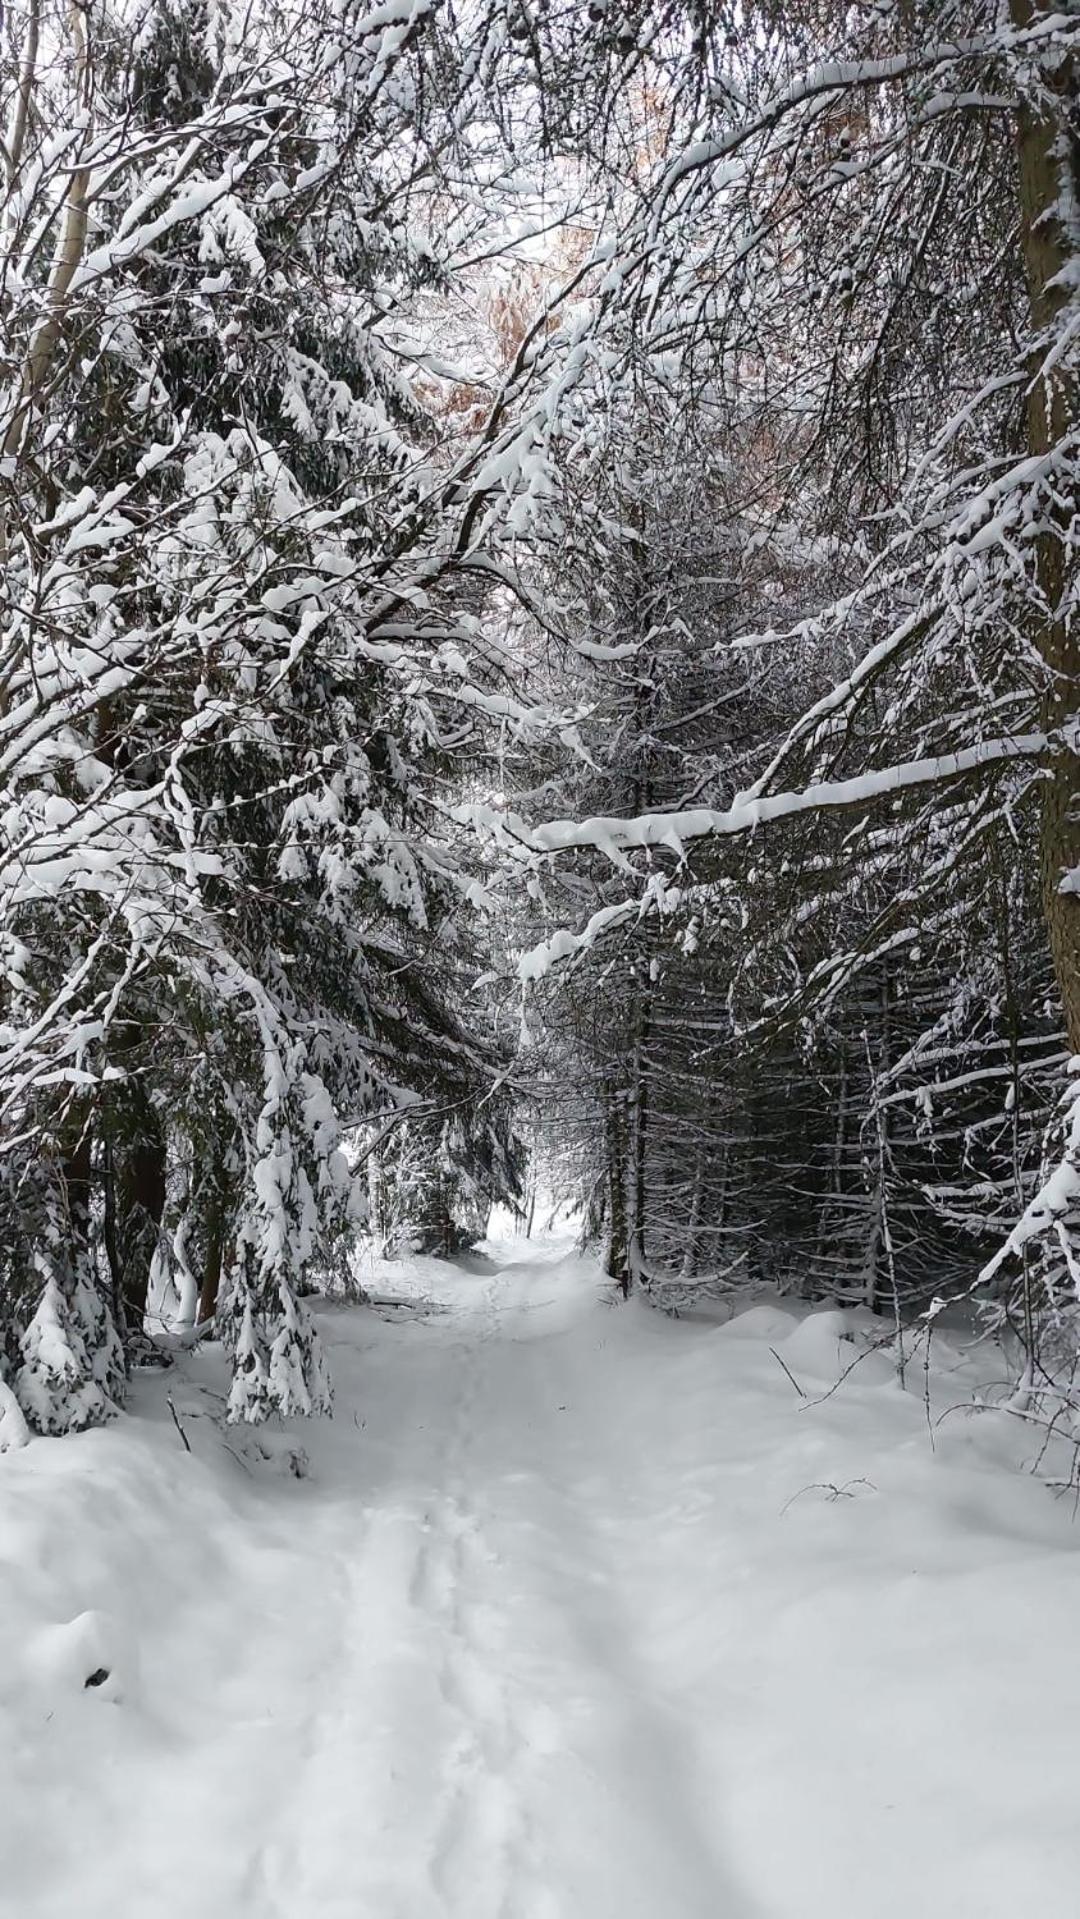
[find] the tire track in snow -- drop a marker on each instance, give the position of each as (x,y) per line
(482,1857)
(608,1765)
(365,1757)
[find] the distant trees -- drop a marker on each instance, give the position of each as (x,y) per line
(858,252)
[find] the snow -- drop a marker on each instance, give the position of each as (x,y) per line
(574,1611)
(613,835)
(14,1431)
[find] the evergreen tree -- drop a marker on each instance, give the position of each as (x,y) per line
(244,665)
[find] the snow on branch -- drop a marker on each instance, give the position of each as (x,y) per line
(615,837)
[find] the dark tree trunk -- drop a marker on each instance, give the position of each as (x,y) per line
(1049,174)
(138,1199)
(640,1140)
(78,1176)
(618,1262)
(215,1250)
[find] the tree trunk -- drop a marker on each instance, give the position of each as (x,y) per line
(447,1235)
(640,1136)
(1049,177)
(112,1249)
(618,1264)
(71,241)
(78,1175)
(140,1203)
(718,1227)
(376,1207)
(693,1227)
(215,1249)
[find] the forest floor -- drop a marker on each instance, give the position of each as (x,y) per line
(578,1612)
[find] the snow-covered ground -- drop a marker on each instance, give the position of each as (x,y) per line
(579,1612)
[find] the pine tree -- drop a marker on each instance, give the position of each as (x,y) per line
(244,661)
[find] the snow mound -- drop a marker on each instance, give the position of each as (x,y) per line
(769,1323)
(823,1345)
(84,1654)
(14,1431)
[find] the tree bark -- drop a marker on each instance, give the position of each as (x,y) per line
(27,70)
(1049,178)
(71,243)
(78,1176)
(640,1136)
(215,1250)
(140,1203)
(693,1225)
(618,1265)
(376,1207)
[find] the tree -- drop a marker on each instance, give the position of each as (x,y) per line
(243,658)
(862,246)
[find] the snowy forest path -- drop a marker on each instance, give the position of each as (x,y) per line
(485,1741)
(575,1611)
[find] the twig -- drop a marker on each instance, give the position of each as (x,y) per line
(233,1454)
(176,1422)
(788,1371)
(832,1493)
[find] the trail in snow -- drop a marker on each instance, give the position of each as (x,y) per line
(491,1748)
(580,1614)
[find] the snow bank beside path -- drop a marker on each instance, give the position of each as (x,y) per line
(573,1612)
(853,1622)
